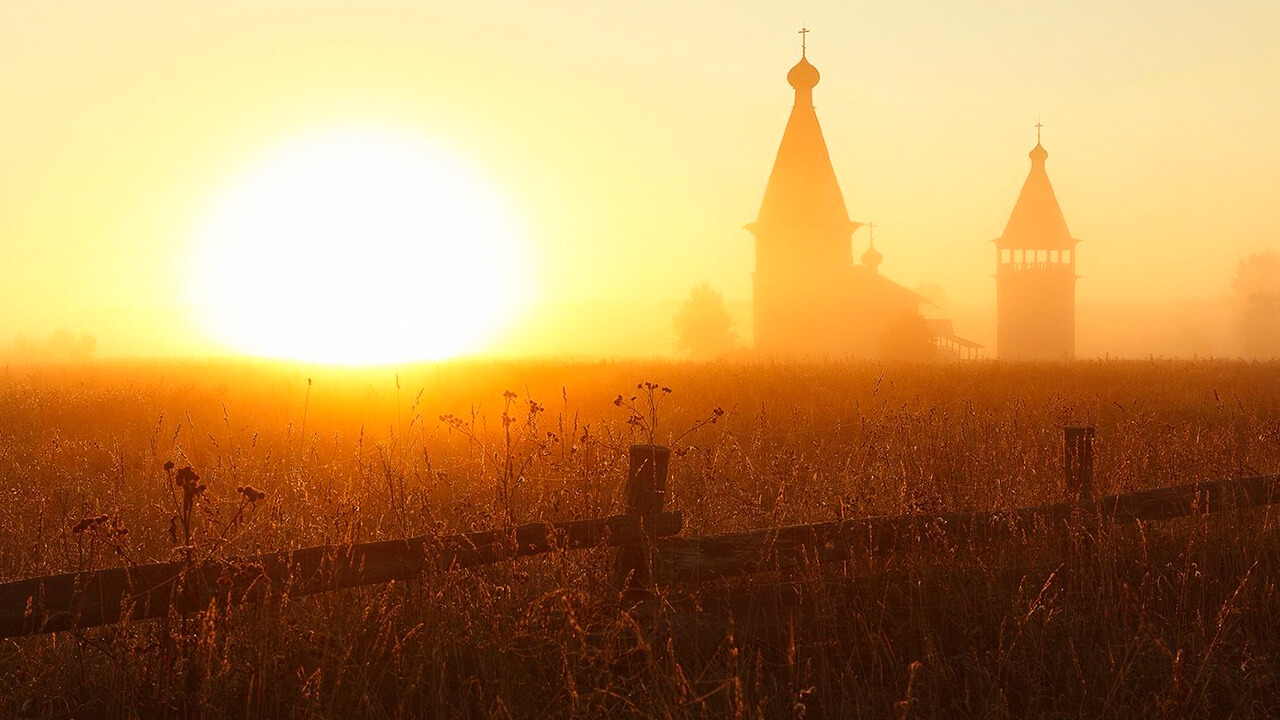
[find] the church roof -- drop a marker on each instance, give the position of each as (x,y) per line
(1036,221)
(803,194)
(864,274)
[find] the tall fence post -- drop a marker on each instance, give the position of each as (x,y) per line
(1077,461)
(646,497)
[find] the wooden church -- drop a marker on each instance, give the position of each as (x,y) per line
(809,296)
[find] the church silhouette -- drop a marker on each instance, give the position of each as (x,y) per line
(1036,273)
(811,299)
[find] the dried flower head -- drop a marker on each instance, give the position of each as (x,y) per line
(251,493)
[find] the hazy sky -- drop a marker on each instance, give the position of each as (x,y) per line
(635,140)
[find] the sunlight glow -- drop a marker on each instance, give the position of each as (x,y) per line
(359,247)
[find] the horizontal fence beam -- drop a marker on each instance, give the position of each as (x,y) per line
(714,556)
(81,600)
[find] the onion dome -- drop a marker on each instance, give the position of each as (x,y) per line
(804,75)
(1038,154)
(872,257)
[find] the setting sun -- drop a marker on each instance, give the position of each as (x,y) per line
(359,246)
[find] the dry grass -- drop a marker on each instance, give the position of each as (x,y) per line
(1175,619)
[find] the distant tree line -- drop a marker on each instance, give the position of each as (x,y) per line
(1256,292)
(62,346)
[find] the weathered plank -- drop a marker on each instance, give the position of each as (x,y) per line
(80,600)
(708,557)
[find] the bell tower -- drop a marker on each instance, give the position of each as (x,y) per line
(1036,274)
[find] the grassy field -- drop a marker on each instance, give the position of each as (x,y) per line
(1172,619)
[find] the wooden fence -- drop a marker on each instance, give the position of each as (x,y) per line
(647,552)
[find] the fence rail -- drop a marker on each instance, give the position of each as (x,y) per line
(81,600)
(647,553)
(704,558)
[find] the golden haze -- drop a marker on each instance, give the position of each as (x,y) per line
(635,157)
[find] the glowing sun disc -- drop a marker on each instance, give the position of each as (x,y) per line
(359,247)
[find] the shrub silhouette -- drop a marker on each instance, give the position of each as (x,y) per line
(704,328)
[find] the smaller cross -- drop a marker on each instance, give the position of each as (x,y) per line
(871,231)
(803,32)
(1038,126)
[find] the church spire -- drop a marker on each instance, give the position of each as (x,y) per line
(802,198)
(1036,220)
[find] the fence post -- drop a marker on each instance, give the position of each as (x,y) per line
(646,496)
(1077,462)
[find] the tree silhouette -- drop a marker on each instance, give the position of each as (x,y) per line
(909,338)
(60,347)
(704,328)
(1257,293)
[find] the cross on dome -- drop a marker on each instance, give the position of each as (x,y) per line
(872,257)
(804,75)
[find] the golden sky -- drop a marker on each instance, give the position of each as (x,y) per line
(634,140)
